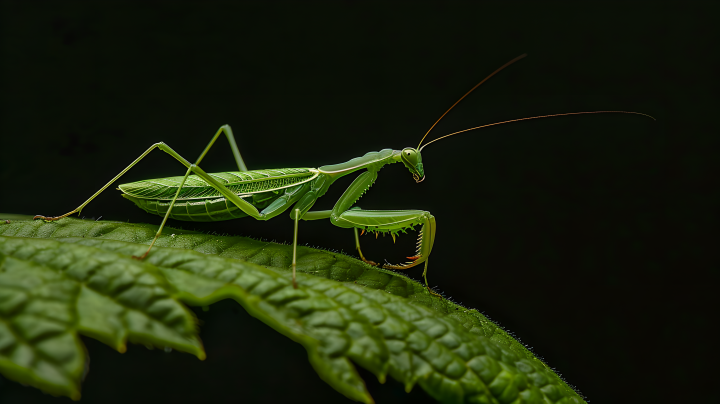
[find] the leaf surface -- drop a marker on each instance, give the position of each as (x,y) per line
(344,312)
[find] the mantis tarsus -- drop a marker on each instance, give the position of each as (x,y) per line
(264,194)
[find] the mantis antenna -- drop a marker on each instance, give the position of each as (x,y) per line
(535,117)
(471,90)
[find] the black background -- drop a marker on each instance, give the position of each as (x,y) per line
(588,237)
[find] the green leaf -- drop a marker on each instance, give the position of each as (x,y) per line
(344,312)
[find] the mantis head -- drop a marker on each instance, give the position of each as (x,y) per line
(413,161)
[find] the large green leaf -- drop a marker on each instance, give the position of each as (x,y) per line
(70,277)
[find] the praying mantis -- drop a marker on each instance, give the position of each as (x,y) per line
(265,194)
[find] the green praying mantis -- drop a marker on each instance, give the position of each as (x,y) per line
(264,194)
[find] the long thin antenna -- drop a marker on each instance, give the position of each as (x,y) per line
(536,117)
(471,90)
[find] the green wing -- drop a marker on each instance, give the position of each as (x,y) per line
(247,182)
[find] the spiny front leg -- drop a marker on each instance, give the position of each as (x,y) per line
(393,222)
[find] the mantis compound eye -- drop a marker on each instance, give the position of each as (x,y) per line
(409,154)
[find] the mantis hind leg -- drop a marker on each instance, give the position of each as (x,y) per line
(162,146)
(194,168)
(190,168)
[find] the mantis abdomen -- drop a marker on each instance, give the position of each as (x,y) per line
(202,210)
(199,201)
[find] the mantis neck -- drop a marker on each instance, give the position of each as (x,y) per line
(372,161)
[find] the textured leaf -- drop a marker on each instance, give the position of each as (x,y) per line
(343,312)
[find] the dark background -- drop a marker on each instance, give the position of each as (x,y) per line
(588,237)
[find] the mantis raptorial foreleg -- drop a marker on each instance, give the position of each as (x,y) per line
(391,221)
(394,221)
